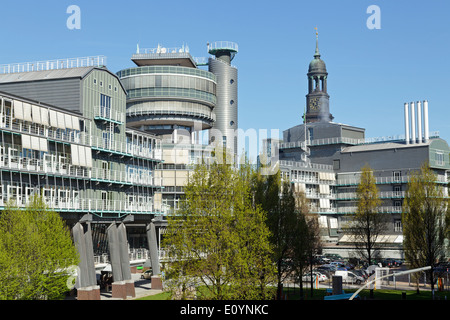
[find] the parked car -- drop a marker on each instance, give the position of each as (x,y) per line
(389,262)
(321,276)
(349,277)
(147,274)
(332,256)
(361,273)
(341,265)
(327,267)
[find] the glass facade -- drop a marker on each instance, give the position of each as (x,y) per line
(170,92)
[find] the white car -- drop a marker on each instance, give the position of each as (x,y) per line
(322,277)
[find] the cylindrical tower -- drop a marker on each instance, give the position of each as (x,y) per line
(167,94)
(226,110)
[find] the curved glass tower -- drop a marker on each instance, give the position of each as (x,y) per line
(167,94)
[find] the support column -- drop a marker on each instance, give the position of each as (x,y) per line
(87,288)
(154,257)
(123,285)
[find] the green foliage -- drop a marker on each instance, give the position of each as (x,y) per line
(281,219)
(218,240)
(424,220)
(294,232)
(35,250)
(367,224)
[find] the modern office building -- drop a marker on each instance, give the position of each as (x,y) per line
(64,136)
(324,159)
(170,96)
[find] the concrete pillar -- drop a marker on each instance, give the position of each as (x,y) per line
(87,287)
(154,256)
(153,248)
(123,285)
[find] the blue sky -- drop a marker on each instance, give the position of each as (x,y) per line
(371,72)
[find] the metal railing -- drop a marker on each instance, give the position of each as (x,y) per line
(109,114)
(92,61)
(49,166)
(71,203)
(70,135)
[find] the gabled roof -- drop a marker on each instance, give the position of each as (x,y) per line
(54,74)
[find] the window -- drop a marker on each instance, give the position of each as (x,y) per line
(336,164)
(397,176)
(439,157)
(398,225)
(397,190)
(311,134)
(105,106)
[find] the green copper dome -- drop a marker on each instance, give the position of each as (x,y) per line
(317,64)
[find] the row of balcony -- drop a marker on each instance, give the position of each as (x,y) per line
(140,177)
(386,180)
(71,204)
(381,195)
(81,137)
(49,165)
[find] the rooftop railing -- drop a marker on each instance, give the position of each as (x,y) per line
(93,61)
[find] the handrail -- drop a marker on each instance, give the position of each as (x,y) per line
(389,275)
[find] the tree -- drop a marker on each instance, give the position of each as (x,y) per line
(36,250)
(217,240)
(367,224)
(307,241)
(423,221)
(277,200)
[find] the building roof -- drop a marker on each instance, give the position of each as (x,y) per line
(54,74)
(383,146)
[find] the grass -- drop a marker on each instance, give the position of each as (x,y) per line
(380,294)
(318,294)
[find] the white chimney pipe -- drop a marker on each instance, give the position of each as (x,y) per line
(419,122)
(425,120)
(413,124)
(406,123)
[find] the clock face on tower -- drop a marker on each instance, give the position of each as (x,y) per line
(314,104)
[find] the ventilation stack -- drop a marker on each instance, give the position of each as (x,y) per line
(416,129)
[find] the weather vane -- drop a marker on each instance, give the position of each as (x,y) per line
(317,33)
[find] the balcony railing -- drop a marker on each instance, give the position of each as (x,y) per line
(48,166)
(135,178)
(382,195)
(68,135)
(109,114)
(69,203)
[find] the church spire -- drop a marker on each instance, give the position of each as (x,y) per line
(317,99)
(317,54)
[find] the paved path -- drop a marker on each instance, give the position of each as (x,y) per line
(142,288)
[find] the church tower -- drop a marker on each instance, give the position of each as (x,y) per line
(317,99)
